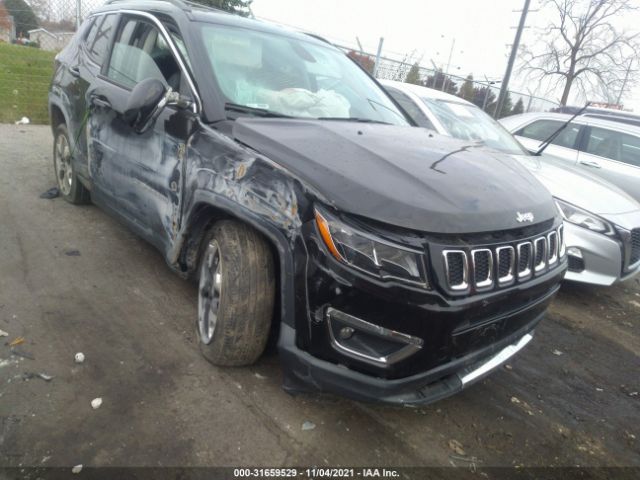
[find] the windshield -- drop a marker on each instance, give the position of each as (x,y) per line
(287,76)
(468,122)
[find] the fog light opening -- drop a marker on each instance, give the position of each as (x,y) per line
(574,252)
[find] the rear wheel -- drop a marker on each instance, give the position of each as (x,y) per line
(68,184)
(236,294)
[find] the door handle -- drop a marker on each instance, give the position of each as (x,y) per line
(100,101)
(591,164)
(75,71)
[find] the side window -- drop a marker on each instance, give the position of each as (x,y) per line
(614,145)
(98,37)
(543,129)
(140,52)
(410,107)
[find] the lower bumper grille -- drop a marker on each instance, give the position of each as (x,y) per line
(635,246)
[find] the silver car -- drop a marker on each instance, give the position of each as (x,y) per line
(607,148)
(602,223)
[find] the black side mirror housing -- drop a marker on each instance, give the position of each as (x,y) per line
(145,99)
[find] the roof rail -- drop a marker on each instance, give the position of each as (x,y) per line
(185,5)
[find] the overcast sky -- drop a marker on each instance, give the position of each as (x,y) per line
(481,28)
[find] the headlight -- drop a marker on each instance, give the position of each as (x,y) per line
(373,256)
(584,219)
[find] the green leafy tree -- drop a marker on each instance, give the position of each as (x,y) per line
(414,75)
(23,16)
(518,108)
(466,90)
(239,7)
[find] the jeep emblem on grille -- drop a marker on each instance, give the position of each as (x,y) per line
(524,217)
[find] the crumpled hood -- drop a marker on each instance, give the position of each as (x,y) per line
(403,176)
(579,188)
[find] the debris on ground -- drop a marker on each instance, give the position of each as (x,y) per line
(17,341)
(307,425)
(557,352)
(43,376)
(20,352)
(635,304)
(72,253)
(50,194)
(23,121)
(456,446)
(260,377)
(96,402)
(3,333)
(77,469)
(79,357)
(508,367)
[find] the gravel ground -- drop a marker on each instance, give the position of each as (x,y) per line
(74,280)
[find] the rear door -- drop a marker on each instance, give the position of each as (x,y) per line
(564,146)
(613,155)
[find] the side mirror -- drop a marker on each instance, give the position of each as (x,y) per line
(144,104)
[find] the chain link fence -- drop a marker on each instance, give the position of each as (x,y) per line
(33,31)
(482,93)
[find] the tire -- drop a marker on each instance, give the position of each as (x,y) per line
(235,295)
(67,181)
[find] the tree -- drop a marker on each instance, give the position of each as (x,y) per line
(505,111)
(582,47)
(239,7)
(23,16)
(518,108)
(467,91)
(414,75)
(364,60)
(438,79)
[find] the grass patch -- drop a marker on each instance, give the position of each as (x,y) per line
(25,75)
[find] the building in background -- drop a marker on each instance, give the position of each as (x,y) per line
(7,25)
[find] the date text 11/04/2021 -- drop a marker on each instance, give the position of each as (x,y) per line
(313,473)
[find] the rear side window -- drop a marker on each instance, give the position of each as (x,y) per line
(99,36)
(614,145)
(543,129)
(140,52)
(410,107)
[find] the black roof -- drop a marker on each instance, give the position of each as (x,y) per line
(200,13)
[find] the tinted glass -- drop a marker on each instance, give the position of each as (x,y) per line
(293,77)
(543,129)
(410,107)
(99,36)
(140,52)
(614,145)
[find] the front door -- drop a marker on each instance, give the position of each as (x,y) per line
(138,175)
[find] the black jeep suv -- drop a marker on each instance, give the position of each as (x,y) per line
(391,263)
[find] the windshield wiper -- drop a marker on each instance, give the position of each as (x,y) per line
(553,136)
(354,119)
(262,112)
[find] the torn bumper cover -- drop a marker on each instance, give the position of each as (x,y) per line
(305,372)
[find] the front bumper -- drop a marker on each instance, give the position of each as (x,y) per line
(305,372)
(601,262)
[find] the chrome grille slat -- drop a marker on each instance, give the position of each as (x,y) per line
(505,259)
(482,260)
(496,266)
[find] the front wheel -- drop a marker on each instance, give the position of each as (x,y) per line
(236,294)
(68,184)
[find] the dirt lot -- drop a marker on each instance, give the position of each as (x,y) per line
(74,280)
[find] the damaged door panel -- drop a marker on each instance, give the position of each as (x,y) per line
(390,263)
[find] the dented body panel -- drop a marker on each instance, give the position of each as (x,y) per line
(339,328)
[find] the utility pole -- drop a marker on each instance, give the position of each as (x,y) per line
(446,75)
(624,84)
(504,90)
(78,14)
(377,64)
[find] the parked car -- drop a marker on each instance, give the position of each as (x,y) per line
(602,228)
(603,113)
(607,148)
(393,264)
